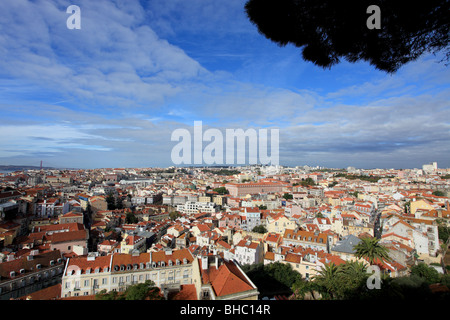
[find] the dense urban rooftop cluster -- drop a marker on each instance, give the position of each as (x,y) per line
(72,234)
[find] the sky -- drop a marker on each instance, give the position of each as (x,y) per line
(112,93)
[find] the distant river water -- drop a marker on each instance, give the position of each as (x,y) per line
(6,171)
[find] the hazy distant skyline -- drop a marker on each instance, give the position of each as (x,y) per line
(110,94)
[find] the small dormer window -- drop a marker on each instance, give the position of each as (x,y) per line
(52,262)
(142,266)
(177,262)
(12,274)
(22,271)
(170,262)
(184,260)
(38,266)
(153,264)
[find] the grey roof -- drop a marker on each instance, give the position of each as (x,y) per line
(347,244)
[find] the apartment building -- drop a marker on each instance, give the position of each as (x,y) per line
(30,273)
(88,275)
(192,207)
(242,189)
(249,252)
(314,240)
(253,217)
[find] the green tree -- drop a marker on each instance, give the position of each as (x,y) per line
(307,182)
(288,196)
(283,273)
(408,207)
(273,278)
(111,201)
(430,274)
(260,229)
(371,249)
(444,232)
(303,287)
(221,190)
(142,291)
(439,193)
(119,203)
(174,215)
(104,295)
(131,218)
(327,281)
(352,279)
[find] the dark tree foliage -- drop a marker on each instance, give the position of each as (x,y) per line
(221,190)
(111,201)
(329,31)
(259,229)
(274,278)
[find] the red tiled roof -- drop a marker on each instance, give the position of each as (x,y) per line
(58,237)
(50,293)
(187,292)
(82,262)
(226,280)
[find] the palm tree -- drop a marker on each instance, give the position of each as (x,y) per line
(354,268)
(372,250)
(353,277)
(326,280)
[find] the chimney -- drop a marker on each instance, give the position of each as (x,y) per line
(204,262)
(217,261)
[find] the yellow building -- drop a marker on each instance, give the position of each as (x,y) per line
(279,223)
(420,204)
(88,275)
(130,243)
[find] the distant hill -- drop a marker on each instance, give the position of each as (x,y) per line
(20,168)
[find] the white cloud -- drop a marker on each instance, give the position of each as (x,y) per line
(113,59)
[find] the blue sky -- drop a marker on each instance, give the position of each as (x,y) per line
(111,93)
